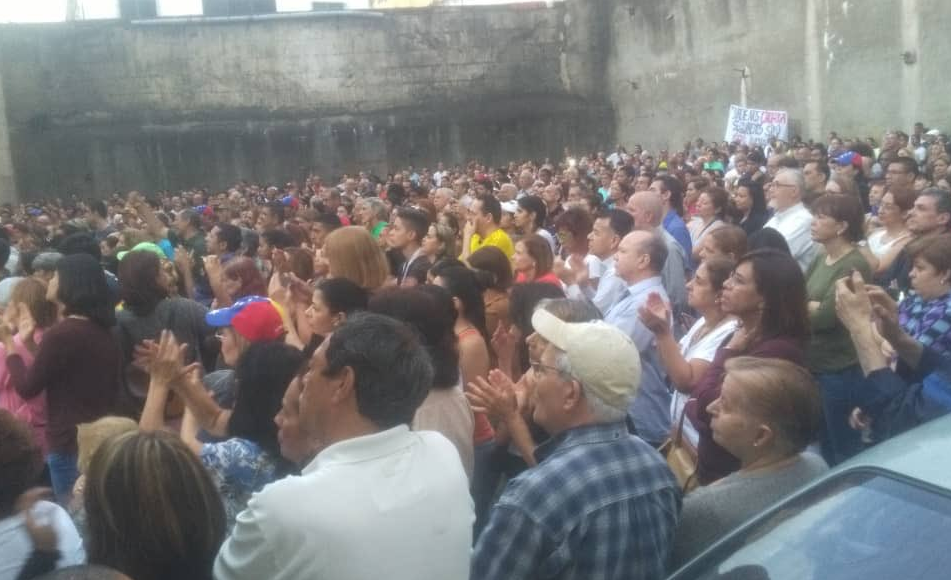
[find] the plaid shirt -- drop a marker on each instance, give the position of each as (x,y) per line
(601,504)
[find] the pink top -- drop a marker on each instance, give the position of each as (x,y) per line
(33,411)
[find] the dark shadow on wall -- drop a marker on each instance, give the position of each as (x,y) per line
(96,160)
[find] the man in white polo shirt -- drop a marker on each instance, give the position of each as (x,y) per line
(379,500)
(792,219)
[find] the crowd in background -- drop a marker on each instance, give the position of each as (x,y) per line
(536,370)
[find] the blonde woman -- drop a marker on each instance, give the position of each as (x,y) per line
(352,253)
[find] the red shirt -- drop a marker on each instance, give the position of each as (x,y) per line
(548,278)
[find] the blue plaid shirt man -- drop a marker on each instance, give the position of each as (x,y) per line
(601,504)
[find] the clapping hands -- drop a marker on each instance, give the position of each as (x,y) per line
(655,314)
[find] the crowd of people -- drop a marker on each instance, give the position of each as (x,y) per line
(587,369)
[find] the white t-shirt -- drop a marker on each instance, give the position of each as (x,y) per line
(877,244)
(704,349)
(16,546)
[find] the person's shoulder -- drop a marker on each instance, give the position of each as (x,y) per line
(501,238)
(70,329)
(439,450)
(857,261)
(813,464)
(179,303)
(628,463)
(779,347)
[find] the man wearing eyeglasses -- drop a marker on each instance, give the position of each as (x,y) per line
(601,503)
(791,218)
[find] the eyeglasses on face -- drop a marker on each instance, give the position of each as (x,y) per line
(539,368)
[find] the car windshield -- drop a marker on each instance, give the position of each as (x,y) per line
(861,526)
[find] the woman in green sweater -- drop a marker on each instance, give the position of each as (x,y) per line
(837,225)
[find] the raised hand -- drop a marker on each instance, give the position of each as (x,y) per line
(143,354)
(655,314)
(886,310)
(579,269)
(495,397)
(504,341)
(26,325)
(212,266)
(852,304)
(742,338)
(183,259)
(43,535)
(278,260)
(560,269)
(168,364)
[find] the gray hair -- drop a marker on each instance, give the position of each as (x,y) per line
(796,174)
(600,409)
(571,310)
(379,208)
(46,261)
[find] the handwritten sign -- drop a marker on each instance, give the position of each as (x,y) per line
(756,126)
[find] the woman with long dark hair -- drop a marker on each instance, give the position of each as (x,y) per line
(475,360)
(494,272)
(767,295)
(429,310)
(248,455)
(147,310)
(76,365)
(749,202)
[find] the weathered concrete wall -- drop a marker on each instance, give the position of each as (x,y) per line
(96,107)
(832,64)
(8,187)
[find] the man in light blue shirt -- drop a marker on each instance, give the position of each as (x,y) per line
(640,258)
(647,207)
(606,288)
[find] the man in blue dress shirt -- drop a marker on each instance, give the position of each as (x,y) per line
(640,259)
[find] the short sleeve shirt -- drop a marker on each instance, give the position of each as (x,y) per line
(239,468)
(498,238)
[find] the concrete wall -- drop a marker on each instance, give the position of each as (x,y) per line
(96,107)
(8,186)
(832,64)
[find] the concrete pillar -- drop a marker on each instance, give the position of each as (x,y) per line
(814,69)
(911,81)
(8,186)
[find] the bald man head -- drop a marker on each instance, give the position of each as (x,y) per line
(507,192)
(442,197)
(647,209)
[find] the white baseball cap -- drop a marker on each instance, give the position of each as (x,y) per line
(602,357)
(509,206)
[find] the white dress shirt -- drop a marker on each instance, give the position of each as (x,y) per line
(610,285)
(392,505)
(795,224)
